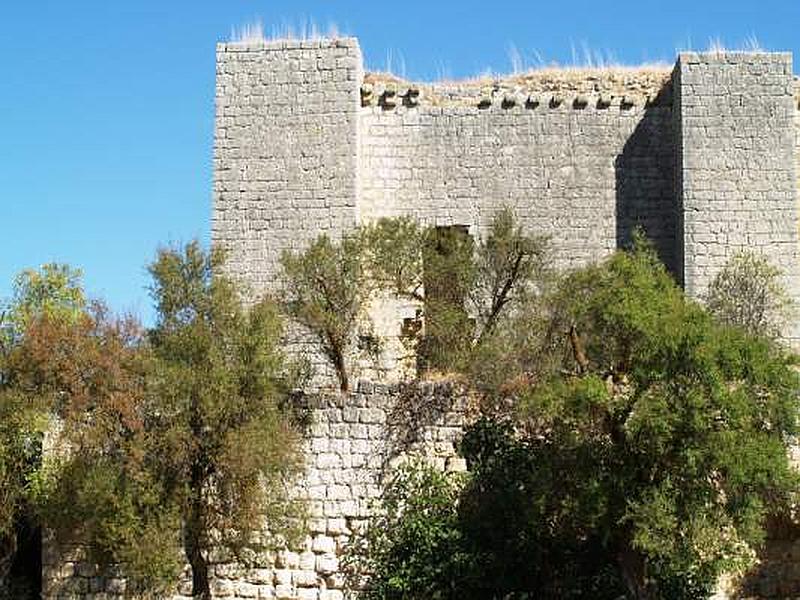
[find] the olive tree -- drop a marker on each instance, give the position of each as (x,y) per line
(176,441)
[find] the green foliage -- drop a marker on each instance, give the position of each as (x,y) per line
(468,290)
(117,513)
(56,291)
(496,533)
(530,523)
(176,438)
(448,277)
(326,291)
(412,548)
(220,445)
(644,460)
(511,266)
(748,293)
(93,486)
(394,259)
(684,424)
(21,430)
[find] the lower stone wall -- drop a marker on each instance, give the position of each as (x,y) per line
(352,442)
(777,574)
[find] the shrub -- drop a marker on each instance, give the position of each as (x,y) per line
(748,293)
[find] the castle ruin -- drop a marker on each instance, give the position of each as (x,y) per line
(703,157)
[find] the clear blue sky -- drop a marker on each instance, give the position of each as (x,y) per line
(106,107)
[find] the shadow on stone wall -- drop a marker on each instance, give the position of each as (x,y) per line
(421,413)
(778,572)
(646,197)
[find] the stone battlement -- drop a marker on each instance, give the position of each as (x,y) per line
(545,88)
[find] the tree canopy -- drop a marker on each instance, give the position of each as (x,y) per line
(644,460)
(175,438)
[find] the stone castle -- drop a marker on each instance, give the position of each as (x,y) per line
(704,157)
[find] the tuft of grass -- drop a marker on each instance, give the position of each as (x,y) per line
(248,33)
(305,30)
(752,44)
(716,46)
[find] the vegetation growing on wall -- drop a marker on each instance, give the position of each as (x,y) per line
(466,288)
(326,291)
(747,293)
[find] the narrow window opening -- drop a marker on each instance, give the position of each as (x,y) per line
(447,277)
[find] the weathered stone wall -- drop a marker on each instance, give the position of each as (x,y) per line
(284,149)
(704,162)
(797,133)
(351,444)
(305,143)
(737,163)
(579,162)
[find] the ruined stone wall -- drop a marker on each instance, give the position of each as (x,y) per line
(737,163)
(284,149)
(704,161)
(351,444)
(581,156)
(797,133)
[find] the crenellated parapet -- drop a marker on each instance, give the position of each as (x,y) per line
(549,88)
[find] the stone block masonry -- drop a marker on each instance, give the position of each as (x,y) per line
(352,442)
(579,165)
(737,162)
(701,157)
(285,149)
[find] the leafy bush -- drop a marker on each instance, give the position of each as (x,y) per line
(644,462)
(748,293)
(412,547)
(468,288)
(326,290)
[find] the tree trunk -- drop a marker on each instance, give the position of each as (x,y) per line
(633,569)
(194,554)
(193,536)
(341,370)
(8,549)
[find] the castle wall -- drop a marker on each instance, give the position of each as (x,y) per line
(797,134)
(705,162)
(351,442)
(584,172)
(737,163)
(284,149)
